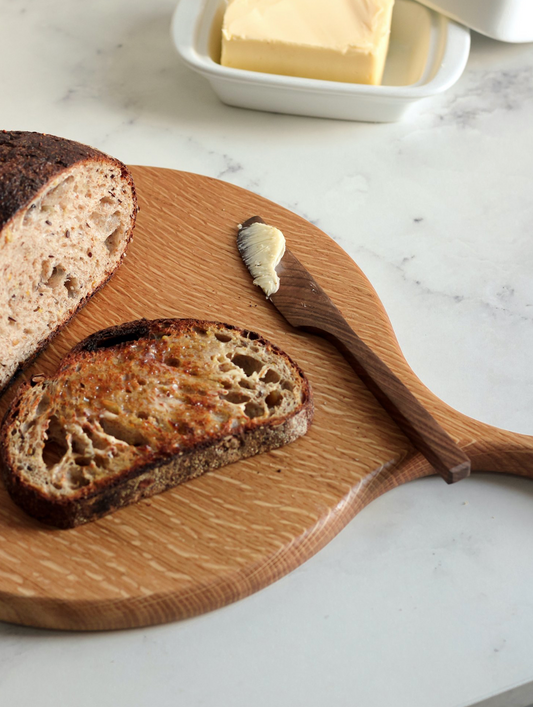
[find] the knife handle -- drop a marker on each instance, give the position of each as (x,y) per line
(426,434)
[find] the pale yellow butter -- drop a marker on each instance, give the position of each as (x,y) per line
(335,40)
(262,247)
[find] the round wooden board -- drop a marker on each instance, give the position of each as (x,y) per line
(233,531)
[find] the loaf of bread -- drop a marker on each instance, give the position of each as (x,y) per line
(67,213)
(136,409)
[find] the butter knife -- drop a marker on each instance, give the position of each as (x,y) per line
(304,304)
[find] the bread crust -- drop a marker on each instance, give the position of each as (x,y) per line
(168,468)
(28,162)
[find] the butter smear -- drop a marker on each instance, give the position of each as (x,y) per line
(262,247)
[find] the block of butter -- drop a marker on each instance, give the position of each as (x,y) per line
(335,40)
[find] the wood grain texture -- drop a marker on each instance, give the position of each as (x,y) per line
(233,531)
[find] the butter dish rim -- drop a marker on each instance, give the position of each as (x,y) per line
(188,26)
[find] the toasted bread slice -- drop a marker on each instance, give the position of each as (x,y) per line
(136,409)
(67,214)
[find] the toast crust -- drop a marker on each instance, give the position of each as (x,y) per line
(170,464)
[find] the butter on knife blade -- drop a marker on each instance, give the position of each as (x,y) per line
(261,247)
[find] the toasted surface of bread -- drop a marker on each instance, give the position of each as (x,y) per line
(136,409)
(67,213)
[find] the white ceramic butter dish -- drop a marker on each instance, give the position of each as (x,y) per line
(427,55)
(506,20)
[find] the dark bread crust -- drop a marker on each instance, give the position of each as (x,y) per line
(28,161)
(167,469)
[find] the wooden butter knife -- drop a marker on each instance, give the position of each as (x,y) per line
(306,306)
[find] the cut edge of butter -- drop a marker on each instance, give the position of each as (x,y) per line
(262,247)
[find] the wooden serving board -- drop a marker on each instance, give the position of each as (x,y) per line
(233,531)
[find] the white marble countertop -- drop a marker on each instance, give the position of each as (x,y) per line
(425,599)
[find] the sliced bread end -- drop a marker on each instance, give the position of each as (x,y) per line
(67,214)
